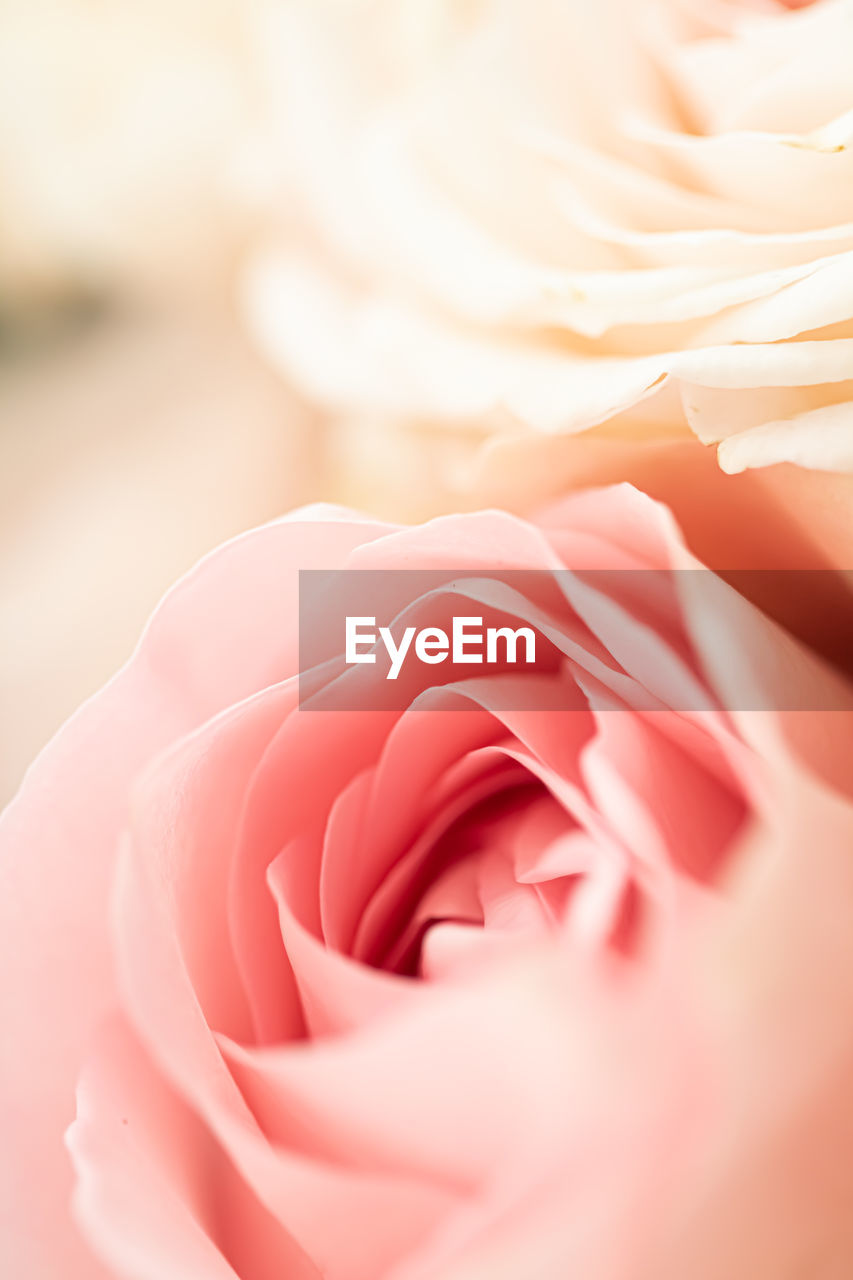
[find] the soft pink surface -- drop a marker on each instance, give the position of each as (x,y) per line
(626,1049)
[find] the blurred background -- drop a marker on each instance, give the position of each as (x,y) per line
(150,157)
(138,426)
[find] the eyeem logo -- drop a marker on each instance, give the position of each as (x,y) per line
(468,642)
(390,639)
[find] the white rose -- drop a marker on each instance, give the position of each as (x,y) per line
(548,217)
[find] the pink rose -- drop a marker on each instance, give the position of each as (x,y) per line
(628,1050)
(774,518)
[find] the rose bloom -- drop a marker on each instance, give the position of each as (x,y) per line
(452,991)
(634,212)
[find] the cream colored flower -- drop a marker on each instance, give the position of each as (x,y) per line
(540,216)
